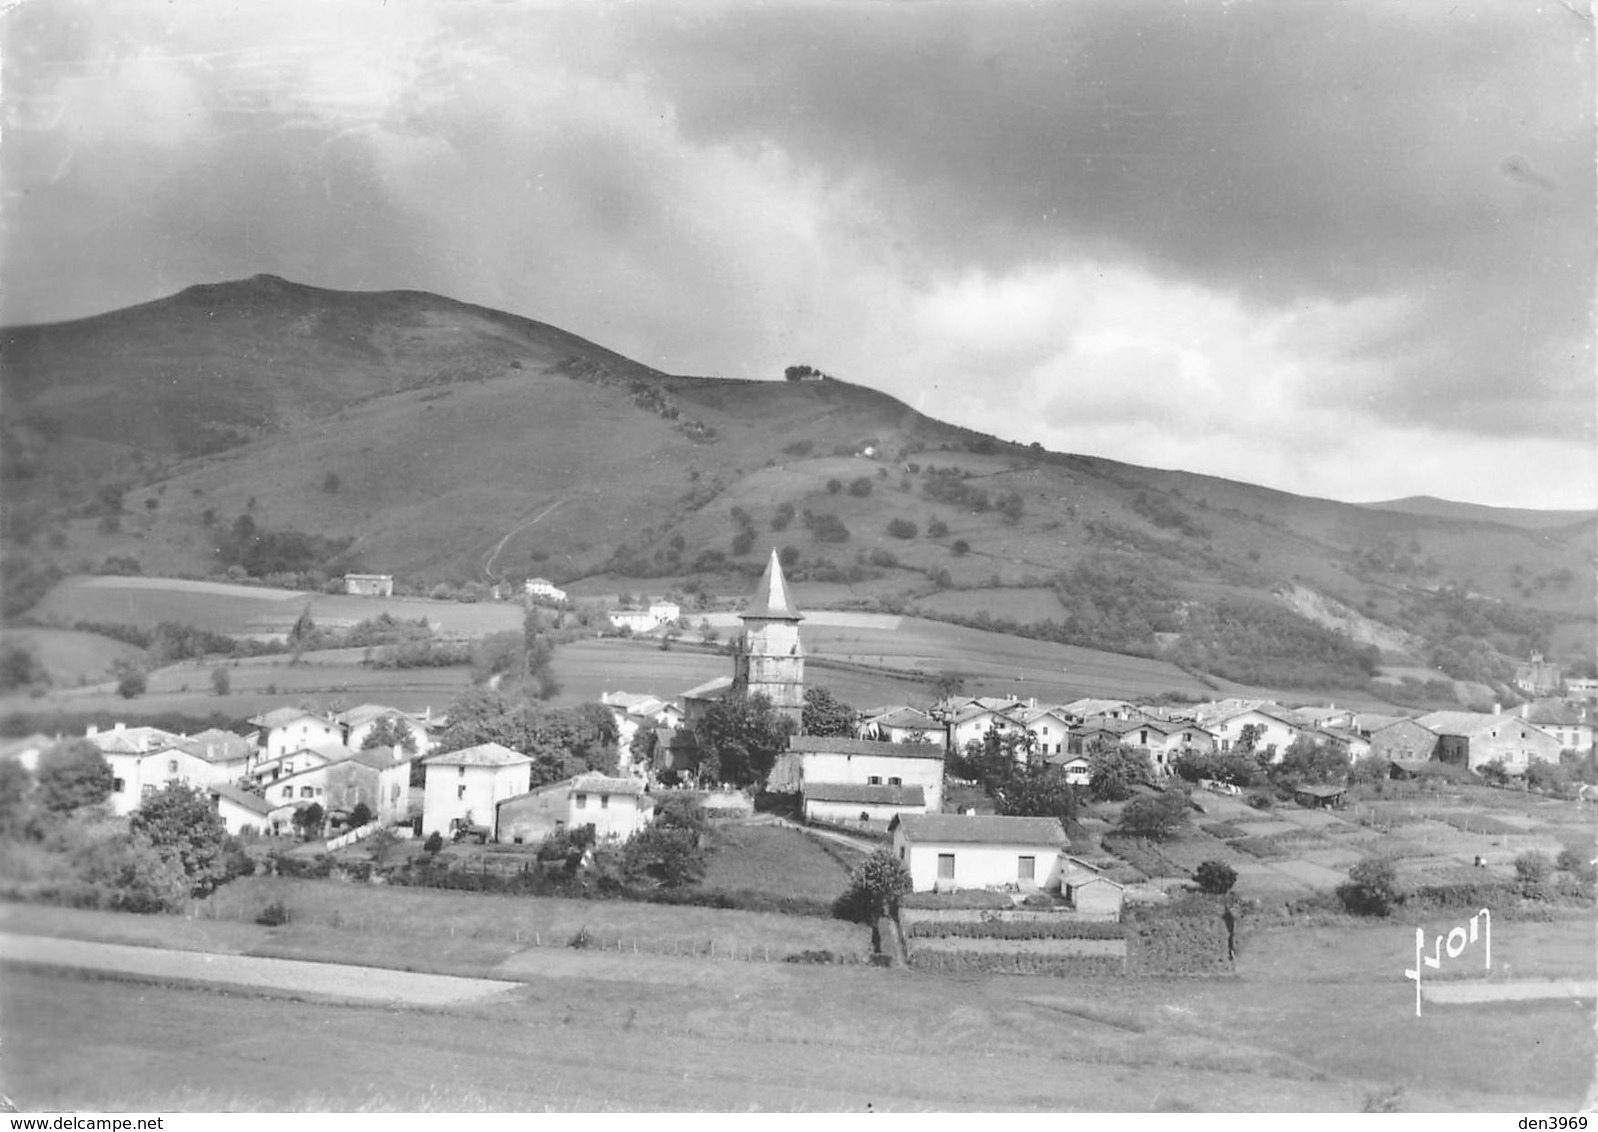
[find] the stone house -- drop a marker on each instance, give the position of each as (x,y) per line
(945,852)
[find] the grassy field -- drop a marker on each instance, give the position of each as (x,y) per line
(226,608)
(776,860)
(72,657)
(1317,1021)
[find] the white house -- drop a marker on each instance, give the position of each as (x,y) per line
(659,613)
(973,719)
(290,729)
(950,851)
(959,851)
(812,760)
(357,723)
(124,750)
(300,759)
(902,725)
(1274,732)
(1090,892)
(1085,709)
(240,810)
(1049,726)
(463,787)
(617,808)
(371,585)
(638,710)
(378,778)
(544,589)
(1078,771)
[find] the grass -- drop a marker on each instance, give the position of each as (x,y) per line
(774,860)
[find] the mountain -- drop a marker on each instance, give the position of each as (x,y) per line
(1432,507)
(275,426)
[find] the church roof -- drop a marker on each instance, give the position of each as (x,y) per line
(772,600)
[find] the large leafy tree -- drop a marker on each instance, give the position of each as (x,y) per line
(73,774)
(1308,761)
(1114,769)
(877,883)
(560,741)
(1155,816)
(739,736)
(1037,790)
(179,824)
(16,784)
(826,714)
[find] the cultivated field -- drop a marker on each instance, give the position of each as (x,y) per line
(72,657)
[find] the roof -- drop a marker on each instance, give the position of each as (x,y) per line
(484,754)
(381,758)
(676,738)
(1029,715)
(981,829)
(132,740)
(1474,722)
(1086,707)
(635,703)
(772,599)
(709,689)
(864,794)
(366,713)
(252,802)
(1321,791)
(603,784)
(1063,759)
(903,717)
(838,745)
(283,716)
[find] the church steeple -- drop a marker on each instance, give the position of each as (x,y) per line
(772,599)
(770,660)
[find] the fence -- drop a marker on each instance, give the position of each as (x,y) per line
(354,835)
(990,915)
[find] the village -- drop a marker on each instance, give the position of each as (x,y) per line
(898,776)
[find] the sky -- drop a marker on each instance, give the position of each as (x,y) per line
(1345,249)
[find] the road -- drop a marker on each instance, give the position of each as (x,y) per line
(338,981)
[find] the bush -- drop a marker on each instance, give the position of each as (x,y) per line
(1156,817)
(434,842)
(902,528)
(834,486)
(937,529)
(1569,861)
(1372,888)
(1215,877)
(274,915)
(960,548)
(859,487)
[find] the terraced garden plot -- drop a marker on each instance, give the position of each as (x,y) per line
(1193,849)
(1311,819)
(1396,848)
(1307,872)
(1486,823)
(1262,882)
(1333,858)
(1265,828)
(1265,848)
(1225,830)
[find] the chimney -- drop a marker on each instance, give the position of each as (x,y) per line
(94,729)
(122,727)
(1498,709)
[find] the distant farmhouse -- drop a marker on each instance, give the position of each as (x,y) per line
(660,612)
(369,585)
(542,589)
(1537,677)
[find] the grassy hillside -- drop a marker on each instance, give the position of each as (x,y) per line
(294,432)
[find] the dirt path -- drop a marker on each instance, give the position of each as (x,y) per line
(324,980)
(1523,991)
(488,562)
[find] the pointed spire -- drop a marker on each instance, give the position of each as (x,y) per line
(772,600)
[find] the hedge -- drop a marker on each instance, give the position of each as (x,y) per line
(1003,929)
(993,963)
(961,898)
(1265,848)
(1224,830)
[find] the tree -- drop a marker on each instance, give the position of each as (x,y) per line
(221,680)
(131,678)
(1038,790)
(1114,769)
(1308,761)
(73,774)
(1155,816)
(834,486)
(1248,738)
(178,822)
(1496,771)
(902,528)
(959,548)
(877,883)
(308,820)
(860,486)
(676,811)
(360,815)
(669,856)
(1215,877)
(1372,887)
(739,736)
(16,785)
(20,667)
(825,714)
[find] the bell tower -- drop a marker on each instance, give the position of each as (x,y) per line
(770,661)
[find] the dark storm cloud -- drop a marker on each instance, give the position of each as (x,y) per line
(1279,150)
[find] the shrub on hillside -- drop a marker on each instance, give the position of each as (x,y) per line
(1215,877)
(1372,888)
(901,528)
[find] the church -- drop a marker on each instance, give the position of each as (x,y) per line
(769,659)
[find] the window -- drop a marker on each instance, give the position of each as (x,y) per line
(147,790)
(895,782)
(945,866)
(604,801)
(306,792)
(462,771)
(874,780)
(172,764)
(460,792)
(1025,868)
(288,791)
(582,801)
(117,786)
(901,852)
